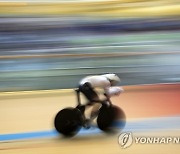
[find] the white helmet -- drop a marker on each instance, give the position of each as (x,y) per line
(113,78)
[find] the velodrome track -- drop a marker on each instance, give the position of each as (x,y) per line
(27,121)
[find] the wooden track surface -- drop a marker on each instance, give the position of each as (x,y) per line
(34,111)
(96,9)
(86,144)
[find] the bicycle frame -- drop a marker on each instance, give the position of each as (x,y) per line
(97,101)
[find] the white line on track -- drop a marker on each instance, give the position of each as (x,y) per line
(82,48)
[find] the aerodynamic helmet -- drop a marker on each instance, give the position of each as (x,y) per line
(113,78)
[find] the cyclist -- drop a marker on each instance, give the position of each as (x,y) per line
(87,86)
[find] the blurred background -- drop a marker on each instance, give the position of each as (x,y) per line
(52,44)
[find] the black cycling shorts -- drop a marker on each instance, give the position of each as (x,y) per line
(88,91)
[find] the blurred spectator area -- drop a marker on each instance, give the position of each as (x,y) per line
(53,44)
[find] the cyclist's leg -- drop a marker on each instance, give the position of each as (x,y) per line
(92,97)
(95,110)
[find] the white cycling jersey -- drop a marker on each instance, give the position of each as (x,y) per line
(101,81)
